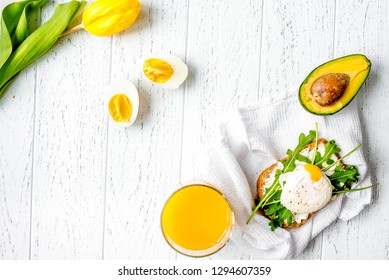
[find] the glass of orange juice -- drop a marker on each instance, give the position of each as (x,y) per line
(197,220)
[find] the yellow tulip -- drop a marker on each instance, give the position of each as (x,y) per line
(108,17)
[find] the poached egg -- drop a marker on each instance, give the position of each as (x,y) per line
(305,190)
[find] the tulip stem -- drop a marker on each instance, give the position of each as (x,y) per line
(75,28)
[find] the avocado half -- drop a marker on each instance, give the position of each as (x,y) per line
(357,66)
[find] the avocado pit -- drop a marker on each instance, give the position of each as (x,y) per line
(328,88)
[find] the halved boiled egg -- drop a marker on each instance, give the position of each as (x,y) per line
(166,70)
(122,102)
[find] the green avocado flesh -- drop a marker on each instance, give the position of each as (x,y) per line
(356,66)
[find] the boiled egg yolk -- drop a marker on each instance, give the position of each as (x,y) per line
(314,172)
(157,70)
(120,108)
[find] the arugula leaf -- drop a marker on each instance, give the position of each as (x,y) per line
(299,157)
(340,159)
(330,149)
(344,177)
(330,161)
(354,190)
(273,225)
(273,209)
(278,214)
(302,158)
(316,143)
(304,140)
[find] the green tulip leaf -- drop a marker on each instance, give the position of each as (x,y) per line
(14,27)
(39,42)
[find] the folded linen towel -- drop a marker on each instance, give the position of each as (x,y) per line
(253,138)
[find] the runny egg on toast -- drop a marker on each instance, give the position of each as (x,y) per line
(122,101)
(305,190)
(165,70)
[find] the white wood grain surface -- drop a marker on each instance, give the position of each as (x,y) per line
(361,28)
(75,186)
(69,148)
(144,160)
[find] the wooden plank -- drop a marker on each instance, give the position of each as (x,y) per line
(16,130)
(296,37)
(16,135)
(144,160)
(223,51)
(361,28)
(69,154)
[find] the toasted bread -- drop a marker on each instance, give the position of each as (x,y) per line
(268,172)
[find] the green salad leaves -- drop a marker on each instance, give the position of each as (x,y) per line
(342,177)
(277,212)
(330,149)
(304,140)
(289,164)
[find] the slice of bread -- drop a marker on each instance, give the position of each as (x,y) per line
(268,174)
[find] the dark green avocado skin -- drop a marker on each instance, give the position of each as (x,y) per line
(345,105)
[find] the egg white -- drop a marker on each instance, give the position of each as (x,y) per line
(127,88)
(180,71)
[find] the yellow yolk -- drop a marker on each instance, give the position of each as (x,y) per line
(157,70)
(120,108)
(314,171)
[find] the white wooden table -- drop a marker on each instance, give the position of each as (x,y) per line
(73,186)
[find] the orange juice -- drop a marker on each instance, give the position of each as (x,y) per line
(197,218)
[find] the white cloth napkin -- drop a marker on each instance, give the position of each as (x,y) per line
(253,138)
